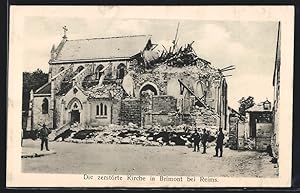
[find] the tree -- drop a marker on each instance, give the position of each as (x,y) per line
(245,103)
(32,80)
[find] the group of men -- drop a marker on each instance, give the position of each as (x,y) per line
(197,137)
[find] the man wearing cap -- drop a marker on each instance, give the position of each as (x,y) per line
(196,137)
(43,134)
(219,145)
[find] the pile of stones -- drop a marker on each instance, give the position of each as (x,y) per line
(132,134)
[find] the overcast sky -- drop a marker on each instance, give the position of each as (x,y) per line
(250,46)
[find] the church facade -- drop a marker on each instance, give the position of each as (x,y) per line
(118,80)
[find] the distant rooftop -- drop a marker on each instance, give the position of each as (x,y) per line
(260,107)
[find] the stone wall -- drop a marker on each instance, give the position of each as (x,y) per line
(38,117)
(130,111)
(100,119)
(59,77)
(164,104)
(80,76)
(197,80)
(116,111)
(163,119)
(233,132)
(204,118)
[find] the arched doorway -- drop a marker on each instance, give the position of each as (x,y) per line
(74,110)
(149,87)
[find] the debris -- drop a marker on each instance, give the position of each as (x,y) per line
(132,134)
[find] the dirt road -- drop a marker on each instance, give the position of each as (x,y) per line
(140,160)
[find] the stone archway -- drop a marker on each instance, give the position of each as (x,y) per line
(75,111)
(149,86)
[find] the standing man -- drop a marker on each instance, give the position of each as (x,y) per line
(219,145)
(43,134)
(196,137)
(204,140)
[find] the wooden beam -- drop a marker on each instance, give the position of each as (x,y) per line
(215,114)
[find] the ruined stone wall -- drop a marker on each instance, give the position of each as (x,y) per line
(57,112)
(56,68)
(130,111)
(163,109)
(237,136)
(38,117)
(58,79)
(204,118)
(197,80)
(164,104)
(79,77)
(116,111)
(233,132)
(242,126)
(167,119)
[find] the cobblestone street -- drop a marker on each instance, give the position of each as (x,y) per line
(72,158)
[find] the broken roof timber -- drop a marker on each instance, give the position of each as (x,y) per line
(214,114)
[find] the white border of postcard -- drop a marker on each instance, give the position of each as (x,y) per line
(285,14)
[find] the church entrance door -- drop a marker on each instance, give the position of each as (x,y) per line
(75,116)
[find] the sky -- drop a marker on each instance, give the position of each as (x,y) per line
(249,45)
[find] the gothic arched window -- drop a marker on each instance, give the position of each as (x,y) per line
(105,110)
(97,110)
(101,109)
(61,69)
(98,71)
(45,106)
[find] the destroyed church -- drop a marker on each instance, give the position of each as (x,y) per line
(122,80)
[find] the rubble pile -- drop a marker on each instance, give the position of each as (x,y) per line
(105,90)
(132,134)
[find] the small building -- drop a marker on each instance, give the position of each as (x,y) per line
(260,124)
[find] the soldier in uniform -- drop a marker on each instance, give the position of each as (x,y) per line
(204,140)
(43,134)
(219,145)
(196,137)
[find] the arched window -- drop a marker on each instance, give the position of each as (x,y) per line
(105,110)
(79,69)
(97,110)
(101,109)
(121,71)
(61,69)
(45,106)
(149,87)
(98,71)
